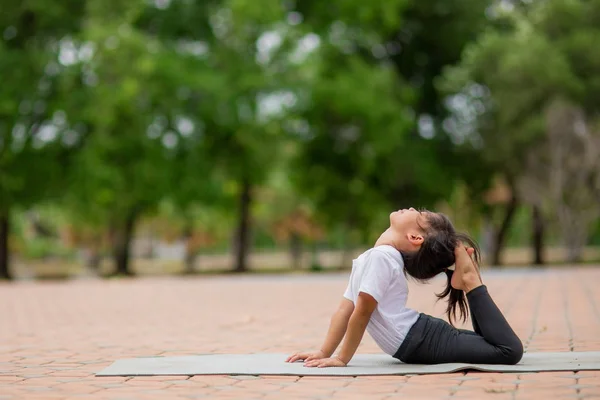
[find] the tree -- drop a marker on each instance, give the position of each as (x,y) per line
(287,214)
(342,155)
(245,45)
(547,51)
(572,119)
(33,154)
(196,203)
(565,171)
(374,114)
(126,102)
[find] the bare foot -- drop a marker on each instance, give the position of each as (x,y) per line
(471,251)
(466,273)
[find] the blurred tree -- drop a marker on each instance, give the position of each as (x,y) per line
(574,179)
(343,148)
(197,195)
(287,215)
(346,105)
(33,154)
(548,51)
(199,225)
(373,112)
(503,135)
(123,92)
(432,38)
(199,181)
(564,170)
(245,45)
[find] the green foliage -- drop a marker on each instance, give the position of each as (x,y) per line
(32,156)
(511,97)
(336,111)
(371,82)
(549,53)
(382,16)
(348,136)
(44,248)
(121,168)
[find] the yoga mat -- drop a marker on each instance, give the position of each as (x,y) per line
(361,364)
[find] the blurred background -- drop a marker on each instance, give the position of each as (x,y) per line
(193,136)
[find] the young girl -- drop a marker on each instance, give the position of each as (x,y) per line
(421,245)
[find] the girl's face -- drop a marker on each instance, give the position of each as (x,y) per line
(406,220)
(407,225)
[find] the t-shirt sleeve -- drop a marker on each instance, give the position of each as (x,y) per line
(379,274)
(348,292)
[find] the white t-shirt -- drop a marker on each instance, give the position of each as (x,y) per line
(379,273)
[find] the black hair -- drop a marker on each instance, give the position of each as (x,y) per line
(436,255)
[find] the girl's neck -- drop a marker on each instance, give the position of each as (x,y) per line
(387,238)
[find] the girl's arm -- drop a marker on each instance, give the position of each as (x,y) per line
(357,325)
(337,327)
(335,334)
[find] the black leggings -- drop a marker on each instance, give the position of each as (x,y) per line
(434,341)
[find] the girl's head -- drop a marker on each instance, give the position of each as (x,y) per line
(427,241)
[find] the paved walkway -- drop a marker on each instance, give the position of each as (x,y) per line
(54,336)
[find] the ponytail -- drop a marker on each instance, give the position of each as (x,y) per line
(436,255)
(456,298)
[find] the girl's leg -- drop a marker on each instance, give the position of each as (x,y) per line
(491,323)
(476,330)
(488,320)
(467,276)
(434,341)
(475,324)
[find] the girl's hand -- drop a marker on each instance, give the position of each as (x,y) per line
(325,362)
(315,355)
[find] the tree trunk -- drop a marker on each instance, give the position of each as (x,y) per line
(348,244)
(538,236)
(500,237)
(574,229)
(574,253)
(149,248)
(243,231)
(190,251)
(190,262)
(315,259)
(4,257)
(488,237)
(122,245)
(296,250)
(347,248)
(95,259)
(94,254)
(574,237)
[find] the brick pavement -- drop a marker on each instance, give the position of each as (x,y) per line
(55,335)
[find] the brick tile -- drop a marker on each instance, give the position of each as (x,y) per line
(9,378)
(95,330)
(45,381)
(102,379)
(77,388)
(71,373)
(213,380)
